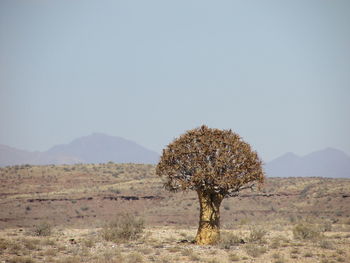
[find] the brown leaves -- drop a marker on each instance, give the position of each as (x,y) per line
(211,160)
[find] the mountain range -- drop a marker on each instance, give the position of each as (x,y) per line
(95,148)
(102,148)
(329,162)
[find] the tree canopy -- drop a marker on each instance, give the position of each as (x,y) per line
(206,159)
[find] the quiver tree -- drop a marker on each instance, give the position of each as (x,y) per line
(216,164)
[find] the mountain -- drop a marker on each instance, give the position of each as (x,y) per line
(329,162)
(101,148)
(12,156)
(96,148)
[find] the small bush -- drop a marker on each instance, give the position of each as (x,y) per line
(30,244)
(326,244)
(229,239)
(84,208)
(89,242)
(47,242)
(326,226)
(276,243)
(42,229)
(4,244)
(111,256)
(257,235)
(278,258)
(279,241)
(187,252)
(255,250)
(305,231)
(340,252)
(123,228)
(233,257)
(51,252)
(195,257)
(134,258)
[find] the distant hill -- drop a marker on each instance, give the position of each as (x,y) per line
(12,156)
(96,148)
(329,162)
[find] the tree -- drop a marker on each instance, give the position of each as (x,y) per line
(214,163)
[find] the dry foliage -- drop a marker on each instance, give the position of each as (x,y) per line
(42,229)
(205,159)
(305,231)
(124,227)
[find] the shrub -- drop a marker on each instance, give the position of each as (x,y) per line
(111,256)
(278,258)
(326,226)
(135,258)
(233,257)
(42,229)
(229,239)
(194,257)
(276,243)
(279,241)
(90,242)
(187,252)
(326,244)
(30,244)
(257,235)
(84,208)
(124,227)
(255,250)
(4,244)
(305,231)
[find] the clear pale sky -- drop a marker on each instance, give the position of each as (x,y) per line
(276,72)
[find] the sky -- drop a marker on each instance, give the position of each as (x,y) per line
(275,72)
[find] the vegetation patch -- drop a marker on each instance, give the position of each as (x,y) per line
(125,227)
(257,235)
(305,231)
(228,239)
(42,229)
(255,250)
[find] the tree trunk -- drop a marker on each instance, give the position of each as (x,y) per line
(209,220)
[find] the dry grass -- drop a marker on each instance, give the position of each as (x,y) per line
(163,244)
(255,250)
(306,231)
(257,235)
(229,239)
(124,228)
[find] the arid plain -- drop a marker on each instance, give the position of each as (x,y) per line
(61,214)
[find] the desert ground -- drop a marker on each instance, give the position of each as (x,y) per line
(79,213)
